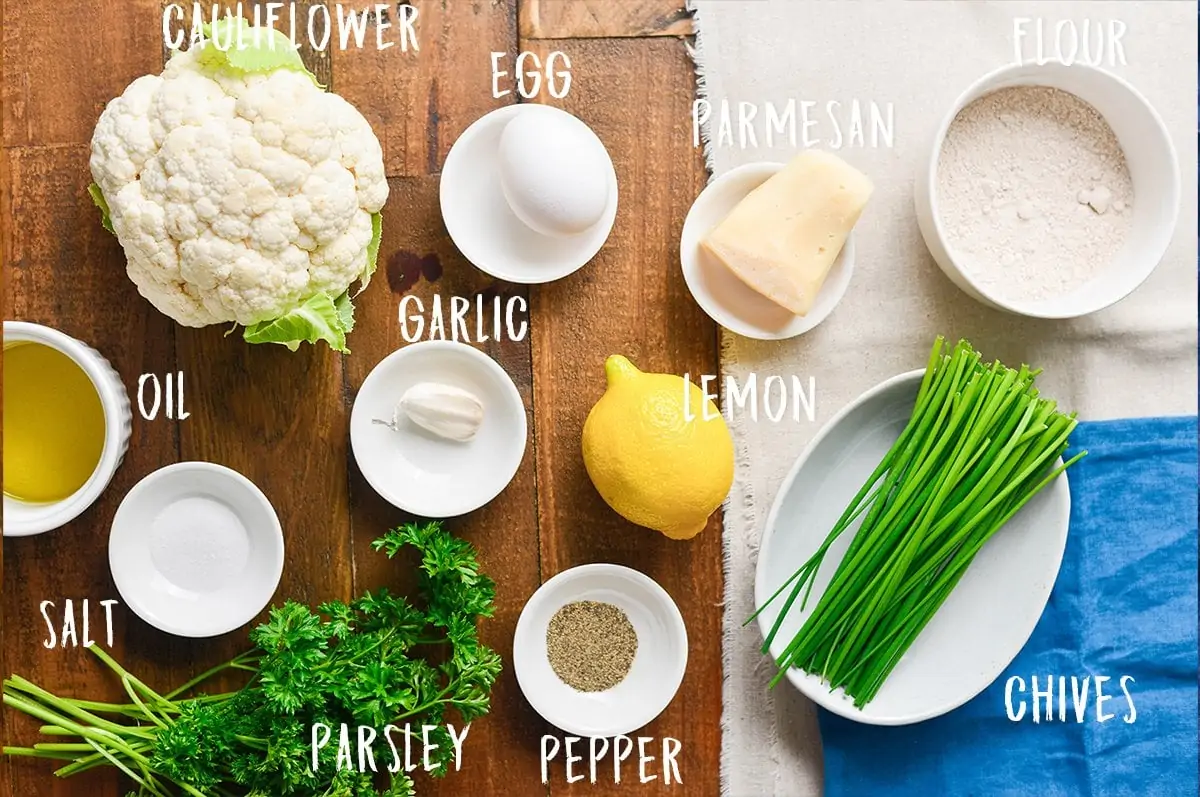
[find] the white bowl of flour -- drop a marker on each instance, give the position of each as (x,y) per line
(1050,191)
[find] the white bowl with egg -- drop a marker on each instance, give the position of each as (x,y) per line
(196,549)
(528,193)
(1153,169)
(22,518)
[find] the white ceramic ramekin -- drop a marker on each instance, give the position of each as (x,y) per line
(1152,166)
(196,549)
(658,665)
(22,518)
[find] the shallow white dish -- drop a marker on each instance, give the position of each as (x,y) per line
(1153,167)
(23,518)
(484,227)
(196,549)
(729,301)
(982,625)
(414,469)
(658,665)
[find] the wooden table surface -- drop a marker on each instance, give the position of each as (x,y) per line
(282,418)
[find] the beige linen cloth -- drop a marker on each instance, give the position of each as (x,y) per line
(1137,358)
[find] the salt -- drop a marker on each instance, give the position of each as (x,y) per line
(1015,170)
(199,544)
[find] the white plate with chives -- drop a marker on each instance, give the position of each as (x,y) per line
(984,622)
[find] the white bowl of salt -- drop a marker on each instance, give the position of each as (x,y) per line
(196,549)
(1049,191)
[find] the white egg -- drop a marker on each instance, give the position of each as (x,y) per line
(554,172)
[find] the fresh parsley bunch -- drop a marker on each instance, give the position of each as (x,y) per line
(376,661)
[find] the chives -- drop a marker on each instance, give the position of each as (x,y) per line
(979,444)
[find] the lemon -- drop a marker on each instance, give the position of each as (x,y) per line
(657,462)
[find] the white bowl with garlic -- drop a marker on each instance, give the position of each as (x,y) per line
(528,193)
(438,429)
(1049,191)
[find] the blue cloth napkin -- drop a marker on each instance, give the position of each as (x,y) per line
(1124,604)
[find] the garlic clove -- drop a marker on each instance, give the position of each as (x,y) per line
(444,410)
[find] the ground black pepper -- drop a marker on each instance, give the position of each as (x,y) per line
(591,645)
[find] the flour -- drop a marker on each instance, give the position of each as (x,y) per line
(1033,192)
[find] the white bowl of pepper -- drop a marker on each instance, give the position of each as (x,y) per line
(600,650)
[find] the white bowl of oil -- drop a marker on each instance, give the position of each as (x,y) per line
(66,427)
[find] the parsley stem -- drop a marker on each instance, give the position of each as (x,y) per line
(241,662)
(125,675)
(39,751)
(116,762)
(66,709)
(96,736)
(138,701)
(430,704)
(343,662)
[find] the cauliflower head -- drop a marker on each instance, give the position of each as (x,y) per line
(241,191)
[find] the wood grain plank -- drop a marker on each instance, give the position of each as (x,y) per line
(5,252)
(420,102)
(64,270)
(280,419)
(502,749)
(578,19)
(259,410)
(46,98)
(418,107)
(631,299)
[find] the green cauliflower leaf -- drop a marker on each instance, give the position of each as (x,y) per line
(319,318)
(345,309)
(372,250)
(105,217)
(249,49)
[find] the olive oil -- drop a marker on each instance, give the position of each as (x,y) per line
(53,424)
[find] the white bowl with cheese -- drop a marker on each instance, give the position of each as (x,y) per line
(725,297)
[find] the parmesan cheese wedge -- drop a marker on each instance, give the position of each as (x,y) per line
(782,239)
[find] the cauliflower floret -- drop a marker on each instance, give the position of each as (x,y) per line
(236,196)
